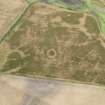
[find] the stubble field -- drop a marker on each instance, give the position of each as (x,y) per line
(9,10)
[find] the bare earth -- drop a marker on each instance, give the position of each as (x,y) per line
(16,90)
(9,9)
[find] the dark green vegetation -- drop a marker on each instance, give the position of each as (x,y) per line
(91,25)
(73,18)
(50,42)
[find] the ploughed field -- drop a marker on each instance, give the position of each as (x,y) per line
(55,43)
(16,90)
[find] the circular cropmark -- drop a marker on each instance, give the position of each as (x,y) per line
(51,53)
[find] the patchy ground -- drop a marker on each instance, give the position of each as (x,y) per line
(55,43)
(9,10)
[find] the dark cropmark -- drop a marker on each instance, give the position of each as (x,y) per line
(45,1)
(73,1)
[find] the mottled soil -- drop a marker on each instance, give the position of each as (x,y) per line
(54,43)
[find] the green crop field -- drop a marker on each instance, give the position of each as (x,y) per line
(49,42)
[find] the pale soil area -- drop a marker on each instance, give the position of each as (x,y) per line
(9,9)
(48,92)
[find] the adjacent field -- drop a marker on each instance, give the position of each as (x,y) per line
(16,90)
(9,10)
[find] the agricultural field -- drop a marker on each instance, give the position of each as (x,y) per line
(18,90)
(9,10)
(52,52)
(54,43)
